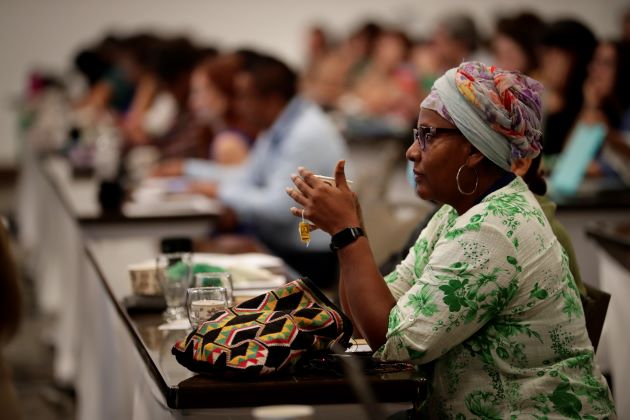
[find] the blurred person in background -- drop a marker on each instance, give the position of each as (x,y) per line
(326,82)
(567,49)
(225,136)
(425,64)
(359,46)
(318,45)
(171,66)
(93,62)
(213,103)
(293,132)
(138,65)
(516,43)
(606,94)
(114,69)
(455,39)
(387,85)
(10,313)
(334,74)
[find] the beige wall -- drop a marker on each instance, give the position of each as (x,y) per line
(47,32)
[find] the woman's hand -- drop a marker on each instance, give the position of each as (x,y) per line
(330,208)
(209,189)
(174,167)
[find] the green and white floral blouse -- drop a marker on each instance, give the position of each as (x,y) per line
(489,297)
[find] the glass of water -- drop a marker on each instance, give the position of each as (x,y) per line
(202,302)
(216,279)
(175,275)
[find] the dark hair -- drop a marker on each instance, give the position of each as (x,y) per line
(142,48)
(10,300)
(526,30)
(221,72)
(369,31)
(93,62)
(175,58)
(579,41)
(91,65)
(534,179)
(462,29)
(622,83)
(270,75)
(618,101)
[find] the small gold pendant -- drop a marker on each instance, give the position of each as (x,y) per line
(305,231)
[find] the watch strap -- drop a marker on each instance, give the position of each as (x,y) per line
(345,237)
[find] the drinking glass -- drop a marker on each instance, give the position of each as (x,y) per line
(175,275)
(202,302)
(217,279)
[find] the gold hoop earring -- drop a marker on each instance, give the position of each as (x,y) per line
(459,188)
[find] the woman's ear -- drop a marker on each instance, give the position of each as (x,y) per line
(521,166)
(475,157)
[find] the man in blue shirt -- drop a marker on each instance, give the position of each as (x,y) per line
(293,132)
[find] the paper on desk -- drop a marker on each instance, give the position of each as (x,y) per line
(183,205)
(359,345)
(251,259)
(180,324)
(167,196)
(249,271)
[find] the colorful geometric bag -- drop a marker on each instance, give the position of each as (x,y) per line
(265,334)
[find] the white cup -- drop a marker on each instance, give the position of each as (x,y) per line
(330,180)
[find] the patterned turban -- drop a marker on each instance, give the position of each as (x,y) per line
(498,111)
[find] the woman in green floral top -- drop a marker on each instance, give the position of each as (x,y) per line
(486,292)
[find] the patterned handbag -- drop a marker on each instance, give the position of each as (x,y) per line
(265,334)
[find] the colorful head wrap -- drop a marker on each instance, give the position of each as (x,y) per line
(498,111)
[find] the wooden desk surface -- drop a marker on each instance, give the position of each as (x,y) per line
(80,197)
(184,389)
(615,239)
(596,196)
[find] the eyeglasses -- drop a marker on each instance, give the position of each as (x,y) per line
(424,134)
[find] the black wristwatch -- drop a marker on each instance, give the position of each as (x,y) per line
(345,237)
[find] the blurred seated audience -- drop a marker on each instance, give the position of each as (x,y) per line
(293,132)
(143,80)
